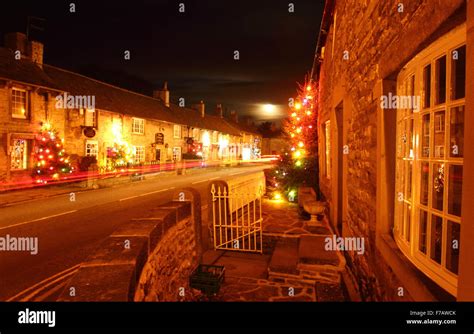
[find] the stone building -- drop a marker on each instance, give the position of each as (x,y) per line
(396,164)
(153,129)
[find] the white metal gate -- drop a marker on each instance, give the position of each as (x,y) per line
(237,218)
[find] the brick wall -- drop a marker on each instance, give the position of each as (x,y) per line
(379,41)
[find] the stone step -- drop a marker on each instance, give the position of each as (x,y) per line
(285,257)
(317,263)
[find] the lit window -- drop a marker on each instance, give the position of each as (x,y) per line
(429,163)
(327,134)
(177,153)
(19,103)
(92,148)
(139,152)
(177,131)
(90,117)
(138,126)
(19,154)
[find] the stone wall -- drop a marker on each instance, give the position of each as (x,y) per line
(39,111)
(377,40)
(148,259)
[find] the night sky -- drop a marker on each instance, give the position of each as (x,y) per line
(193,51)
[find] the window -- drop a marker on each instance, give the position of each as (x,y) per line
(138,126)
(196,133)
(327,144)
(19,154)
(92,148)
(139,152)
(429,162)
(177,131)
(177,153)
(90,118)
(19,103)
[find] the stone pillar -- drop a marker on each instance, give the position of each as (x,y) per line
(466,259)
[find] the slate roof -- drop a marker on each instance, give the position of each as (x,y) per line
(109,97)
(23,70)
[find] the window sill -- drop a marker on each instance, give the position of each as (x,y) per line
(414,281)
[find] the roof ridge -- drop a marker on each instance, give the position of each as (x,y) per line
(104,83)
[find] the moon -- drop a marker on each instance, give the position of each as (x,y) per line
(269,108)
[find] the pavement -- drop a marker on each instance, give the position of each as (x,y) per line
(248,275)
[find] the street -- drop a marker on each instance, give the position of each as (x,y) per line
(69,231)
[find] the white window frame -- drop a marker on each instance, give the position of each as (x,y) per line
(92,151)
(139,154)
(176,153)
(410,246)
(91,120)
(13,103)
(176,131)
(138,126)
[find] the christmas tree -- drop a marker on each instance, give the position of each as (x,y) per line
(51,161)
(299,164)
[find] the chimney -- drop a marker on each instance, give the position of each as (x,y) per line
(163,94)
(33,50)
(16,41)
(219,111)
(234,116)
(201,107)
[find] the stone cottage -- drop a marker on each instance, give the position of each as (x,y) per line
(154,130)
(396,154)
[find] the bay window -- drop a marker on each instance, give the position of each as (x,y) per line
(429,159)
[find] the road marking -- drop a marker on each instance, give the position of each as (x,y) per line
(49,281)
(39,219)
(199,181)
(127,198)
(213,178)
(236,173)
(145,194)
(157,191)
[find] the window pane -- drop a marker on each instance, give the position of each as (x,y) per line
(455,190)
(458,73)
(422,231)
(436,238)
(438,187)
(440,84)
(425,138)
(409,179)
(457,132)
(453,246)
(426,86)
(439,127)
(19,155)
(425,176)
(407,221)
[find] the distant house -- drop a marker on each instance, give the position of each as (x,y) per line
(155,130)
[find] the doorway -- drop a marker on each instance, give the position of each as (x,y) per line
(341,150)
